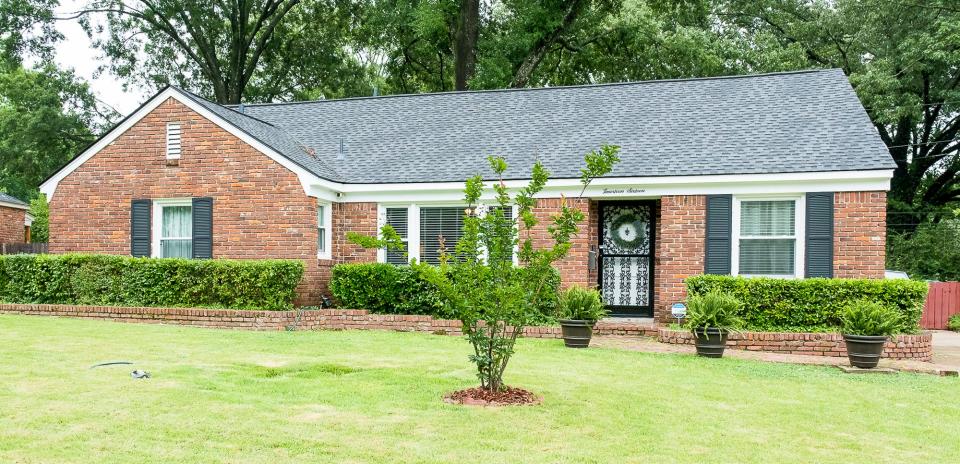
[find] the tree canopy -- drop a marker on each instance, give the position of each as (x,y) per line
(903,59)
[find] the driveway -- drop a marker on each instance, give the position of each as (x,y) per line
(946,348)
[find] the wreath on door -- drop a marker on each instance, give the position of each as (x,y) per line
(628,231)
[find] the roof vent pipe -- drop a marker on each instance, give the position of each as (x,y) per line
(340,155)
(240,108)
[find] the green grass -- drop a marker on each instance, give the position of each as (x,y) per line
(231,396)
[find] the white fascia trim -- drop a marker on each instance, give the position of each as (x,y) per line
(28,220)
(628,187)
(14,205)
(307,179)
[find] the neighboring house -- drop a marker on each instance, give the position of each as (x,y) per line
(15,221)
(778,174)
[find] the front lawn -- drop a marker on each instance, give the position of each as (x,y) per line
(231,396)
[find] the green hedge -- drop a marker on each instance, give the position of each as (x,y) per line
(390,289)
(387,289)
(105,280)
(812,305)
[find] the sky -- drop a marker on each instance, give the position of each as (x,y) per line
(76,52)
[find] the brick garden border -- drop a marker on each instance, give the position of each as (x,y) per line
(320,319)
(917,347)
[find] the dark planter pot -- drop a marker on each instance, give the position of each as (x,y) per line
(576,333)
(711,342)
(864,350)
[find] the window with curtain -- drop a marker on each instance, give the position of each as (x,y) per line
(768,237)
(439,224)
(398,219)
(176,232)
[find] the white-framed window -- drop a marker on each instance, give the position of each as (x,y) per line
(324,237)
(768,236)
(423,228)
(173,140)
(173,228)
(399,219)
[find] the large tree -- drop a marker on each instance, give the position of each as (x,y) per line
(438,45)
(904,61)
(47,116)
(229,50)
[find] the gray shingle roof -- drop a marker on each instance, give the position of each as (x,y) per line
(4,198)
(772,123)
(270,135)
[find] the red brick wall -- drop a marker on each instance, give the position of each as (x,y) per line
(260,209)
(860,233)
(11,224)
(919,347)
(574,269)
(324,319)
(681,235)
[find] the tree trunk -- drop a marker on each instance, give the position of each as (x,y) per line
(465,50)
(539,50)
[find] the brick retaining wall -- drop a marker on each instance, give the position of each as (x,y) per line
(321,319)
(919,347)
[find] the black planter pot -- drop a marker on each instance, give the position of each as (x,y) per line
(576,333)
(711,342)
(864,350)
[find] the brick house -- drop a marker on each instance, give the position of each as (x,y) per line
(15,221)
(778,174)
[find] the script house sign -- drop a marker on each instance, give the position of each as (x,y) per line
(622,191)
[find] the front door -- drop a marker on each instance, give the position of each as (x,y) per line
(626,257)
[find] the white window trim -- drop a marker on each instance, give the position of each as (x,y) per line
(799,233)
(413,225)
(156,226)
(327,253)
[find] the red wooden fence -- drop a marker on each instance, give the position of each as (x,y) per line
(943,301)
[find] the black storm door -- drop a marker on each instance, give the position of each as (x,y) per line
(626,257)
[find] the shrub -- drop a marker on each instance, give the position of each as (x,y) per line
(387,288)
(932,251)
(407,289)
(812,305)
(869,318)
(954,323)
(715,309)
(123,281)
(579,303)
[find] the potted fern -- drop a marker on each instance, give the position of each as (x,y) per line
(866,326)
(578,310)
(711,317)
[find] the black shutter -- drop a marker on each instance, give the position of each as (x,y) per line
(819,234)
(140,228)
(203,228)
(719,228)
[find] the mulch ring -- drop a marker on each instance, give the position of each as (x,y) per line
(478,396)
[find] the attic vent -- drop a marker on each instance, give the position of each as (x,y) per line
(173,140)
(340,154)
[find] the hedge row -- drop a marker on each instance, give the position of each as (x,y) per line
(812,305)
(124,281)
(391,289)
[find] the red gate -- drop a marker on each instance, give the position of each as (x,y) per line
(943,301)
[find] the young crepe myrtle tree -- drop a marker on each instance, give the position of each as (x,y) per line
(492,297)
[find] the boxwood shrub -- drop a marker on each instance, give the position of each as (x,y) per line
(406,289)
(812,305)
(105,280)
